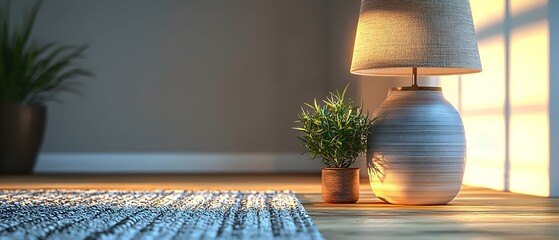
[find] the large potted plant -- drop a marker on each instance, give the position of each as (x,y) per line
(31,74)
(337,133)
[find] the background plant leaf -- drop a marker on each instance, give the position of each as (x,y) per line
(35,73)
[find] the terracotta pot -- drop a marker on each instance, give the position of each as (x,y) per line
(340,185)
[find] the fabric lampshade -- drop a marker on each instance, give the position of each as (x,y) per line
(435,36)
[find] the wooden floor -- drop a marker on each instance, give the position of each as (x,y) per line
(476,213)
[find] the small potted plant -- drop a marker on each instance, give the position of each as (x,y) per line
(337,133)
(31,74)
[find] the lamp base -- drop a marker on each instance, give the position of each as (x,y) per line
(416,149)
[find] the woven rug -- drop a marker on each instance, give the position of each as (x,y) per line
(98,214)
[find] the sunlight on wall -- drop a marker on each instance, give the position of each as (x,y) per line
(481,99)
(484,120)
(529,124)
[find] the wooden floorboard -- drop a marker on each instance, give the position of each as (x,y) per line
(476,213)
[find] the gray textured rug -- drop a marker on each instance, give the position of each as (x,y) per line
(98,214)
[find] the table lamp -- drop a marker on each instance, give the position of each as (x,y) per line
(416,148)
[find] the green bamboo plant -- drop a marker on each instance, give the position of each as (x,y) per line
(33,73)
(336,131)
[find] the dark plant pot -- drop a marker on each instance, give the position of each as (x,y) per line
(340,185)
(21,135)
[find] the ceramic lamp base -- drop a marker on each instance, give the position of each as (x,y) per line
(416,151)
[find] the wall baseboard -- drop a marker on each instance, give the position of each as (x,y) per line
(175,163)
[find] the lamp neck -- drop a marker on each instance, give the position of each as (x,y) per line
(414,77)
